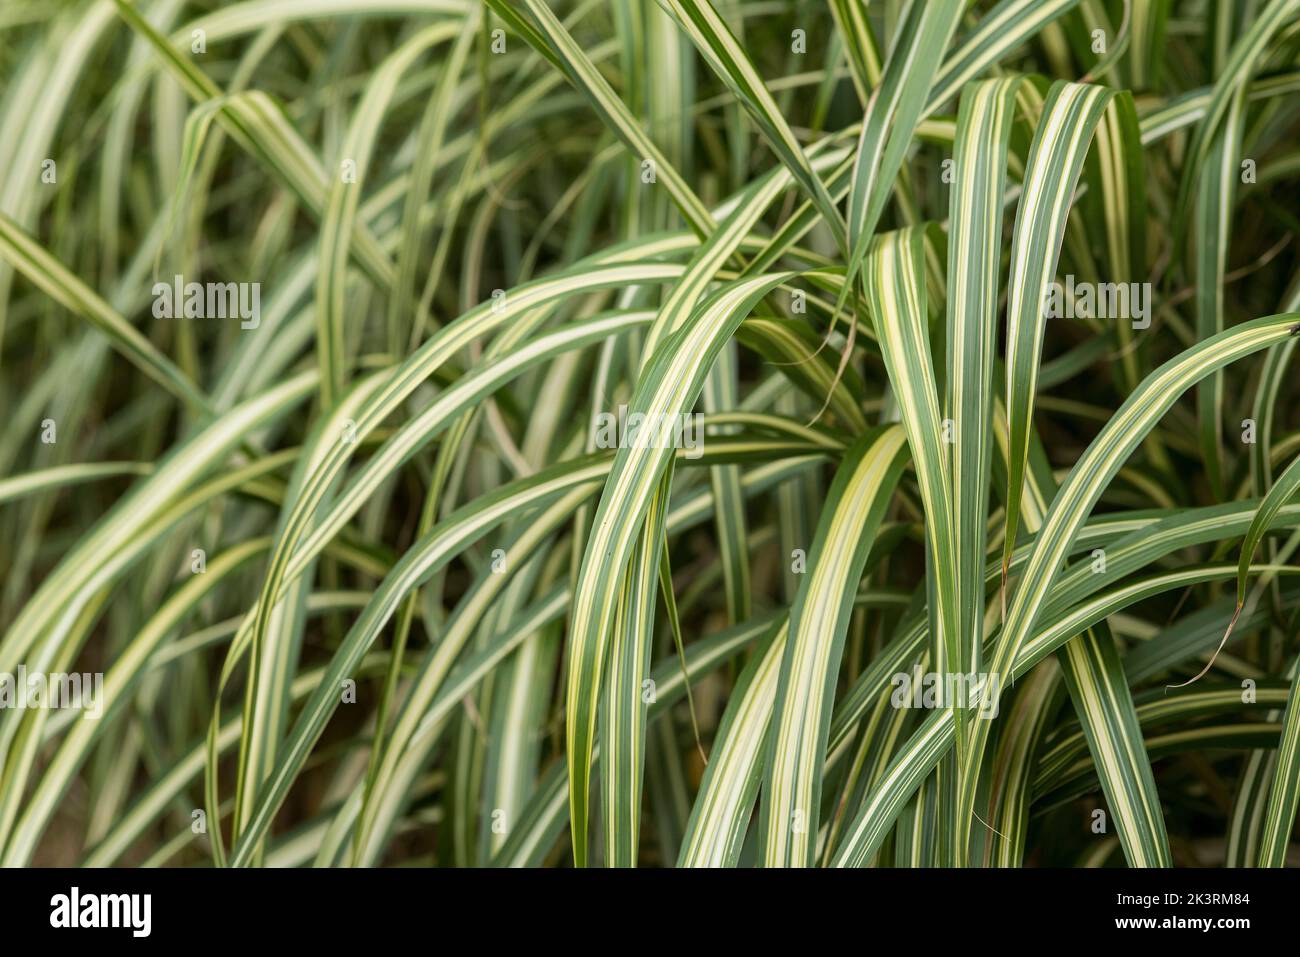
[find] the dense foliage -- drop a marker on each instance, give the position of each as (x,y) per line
(665,433)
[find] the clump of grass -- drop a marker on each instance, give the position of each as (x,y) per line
(673,433)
